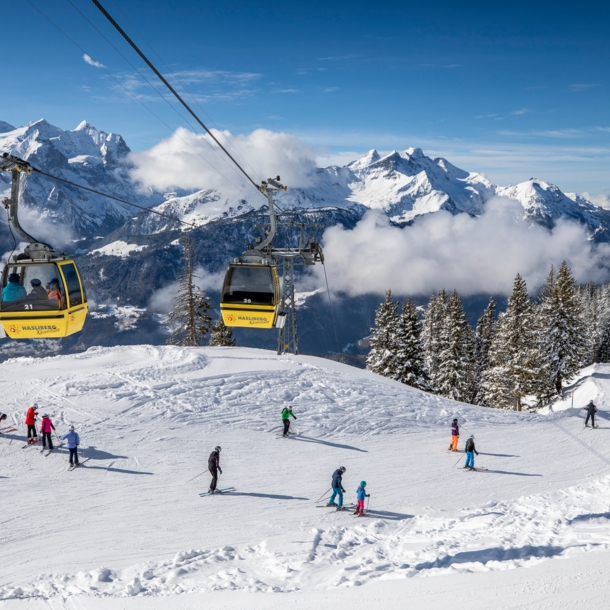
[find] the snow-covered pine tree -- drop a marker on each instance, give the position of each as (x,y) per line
(515,356)
(587,296)
(221,335)
(382,341)
(564,336)
(602,324)
(432,334)
(408,360)
(483,338)
(189,321)
(456,371)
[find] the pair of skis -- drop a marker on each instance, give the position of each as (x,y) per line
(7,429)
(223,490)
(74,466)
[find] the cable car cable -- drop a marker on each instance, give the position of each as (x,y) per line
(167,84)
(330,303)
(135,97)
(193,99)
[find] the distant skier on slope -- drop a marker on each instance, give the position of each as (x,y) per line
(360,495)
(46,425)
(73,443)
(337,485)
(214,468)
(30,422)
(286,414)
(455,435)
(470,450)
(591,411)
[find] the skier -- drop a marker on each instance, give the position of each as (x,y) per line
(46,425)
(360,495)
(337,485)
(214,468)
(30,421)
(73,443)
(286,414)
(470,450)
(455,435)
(591,411)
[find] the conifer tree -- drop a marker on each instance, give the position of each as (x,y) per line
(456,373)
(483,339)
(516,361)
(189,321)
(563,331)
(407,365)
(432,333)
(380,358)
(221,335)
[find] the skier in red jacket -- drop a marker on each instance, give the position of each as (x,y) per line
(30,422)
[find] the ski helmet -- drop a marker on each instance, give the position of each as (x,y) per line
(471,436)
(35,405)
(71,428)
(218,448)
(362,483)
(455,420)
(342,469)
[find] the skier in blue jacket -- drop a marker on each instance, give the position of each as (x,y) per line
(73,443)
(337,485)
(360,495)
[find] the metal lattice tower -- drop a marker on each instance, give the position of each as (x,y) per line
(288,340)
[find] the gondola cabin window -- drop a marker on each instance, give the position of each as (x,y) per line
(32,287)
(249,285)
(74,290)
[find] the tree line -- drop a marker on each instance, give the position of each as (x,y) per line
(521,357)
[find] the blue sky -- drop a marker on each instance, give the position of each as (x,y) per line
(510,89)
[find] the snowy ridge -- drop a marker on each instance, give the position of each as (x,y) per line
(148,417)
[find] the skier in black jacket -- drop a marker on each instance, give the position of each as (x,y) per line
(337,485)
(214,468)
(470,450)
(591,411)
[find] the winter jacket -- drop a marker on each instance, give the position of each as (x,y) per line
(214,461)
(30,417)
(455,429)
(337,483)
(72,438)
(38,293)
(361,493)
(286,414)
(46,425)
(591,408)
(13,292)
(55,295)
(470,448)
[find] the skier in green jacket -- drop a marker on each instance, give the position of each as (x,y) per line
(286,414)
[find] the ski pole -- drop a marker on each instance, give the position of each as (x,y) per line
(322,496)
(459,459)
(196,476)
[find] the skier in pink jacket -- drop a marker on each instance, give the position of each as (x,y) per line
(45,429)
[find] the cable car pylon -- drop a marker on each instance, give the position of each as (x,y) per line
(251,296)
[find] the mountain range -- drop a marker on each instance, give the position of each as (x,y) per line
(127,257)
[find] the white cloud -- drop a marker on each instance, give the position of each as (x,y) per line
(521,111)
(193,161)
(92,62)
(601,200)
(473,255)
(331,89)
(583,86)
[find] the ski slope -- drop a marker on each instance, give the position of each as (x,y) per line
(130,524)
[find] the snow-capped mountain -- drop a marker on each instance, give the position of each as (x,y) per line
(85,156)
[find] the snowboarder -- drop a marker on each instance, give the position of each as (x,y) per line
(30,422)
(591,411)
(214,468)
(455,435)
(73,443)
(46,425)
(360,495)
(337,485)
(470,450)
(286,414)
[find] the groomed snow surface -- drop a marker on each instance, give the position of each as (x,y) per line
(129,530)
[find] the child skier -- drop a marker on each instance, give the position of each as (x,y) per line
(470,450)
(455,435)
(286,414)
(360,495)
(591,411)
(73,443)
(30,422)
(46,425)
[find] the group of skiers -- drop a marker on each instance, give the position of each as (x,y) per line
(46,429)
